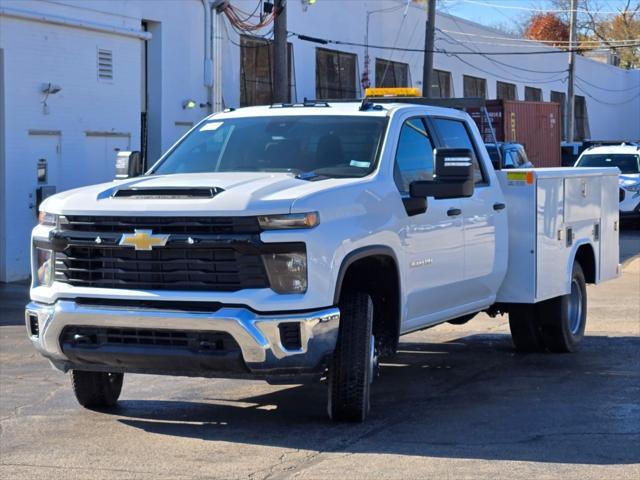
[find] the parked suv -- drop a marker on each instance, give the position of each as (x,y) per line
(627,158)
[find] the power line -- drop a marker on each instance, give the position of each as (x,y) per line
(325,41)
(530,40)
(608,89)
(540,10)
(497,62)
(596,99)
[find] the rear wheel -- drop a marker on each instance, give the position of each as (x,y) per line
(354,361)
(563,319)
(96,389)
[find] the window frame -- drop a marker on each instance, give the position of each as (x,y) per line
(506,87)
(392,65)
(483,81)
(533,91)
(486,181)
(344,92)
(428,129)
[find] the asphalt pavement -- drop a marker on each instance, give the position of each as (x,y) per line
(456,402)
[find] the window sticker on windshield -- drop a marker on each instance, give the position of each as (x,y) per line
(359,164)
(210,126)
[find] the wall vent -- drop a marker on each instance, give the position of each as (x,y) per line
(105,64)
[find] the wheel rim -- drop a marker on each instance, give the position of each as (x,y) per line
(373,359)
(575,307)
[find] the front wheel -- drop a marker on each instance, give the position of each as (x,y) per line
(96,389)
(354,360)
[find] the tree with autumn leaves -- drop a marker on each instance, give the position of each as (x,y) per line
(595,29)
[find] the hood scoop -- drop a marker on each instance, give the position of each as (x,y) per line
(167,192)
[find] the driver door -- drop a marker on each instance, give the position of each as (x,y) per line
(432,241)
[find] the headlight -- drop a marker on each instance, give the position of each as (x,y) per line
(44,267)
(287,272)
(635,187)
(46,218)
(288,221)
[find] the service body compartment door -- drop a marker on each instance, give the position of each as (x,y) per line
(609,226)
(551,243)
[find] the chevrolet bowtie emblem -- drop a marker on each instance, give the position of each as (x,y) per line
(143,240)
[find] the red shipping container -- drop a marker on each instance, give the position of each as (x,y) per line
(535,125)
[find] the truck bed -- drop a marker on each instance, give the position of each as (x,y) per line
(552,213)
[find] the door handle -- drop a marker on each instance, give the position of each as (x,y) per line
(499,206)
(454,212)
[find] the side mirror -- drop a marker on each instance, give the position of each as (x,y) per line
(453,176)
(128,164)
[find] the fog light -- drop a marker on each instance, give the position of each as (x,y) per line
(44,267)
(34,326)
(287,272)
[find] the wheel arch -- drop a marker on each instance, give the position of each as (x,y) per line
(586,257)
(356,269)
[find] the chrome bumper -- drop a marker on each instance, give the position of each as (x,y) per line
(258,336)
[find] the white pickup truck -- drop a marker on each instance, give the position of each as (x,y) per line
(298,242)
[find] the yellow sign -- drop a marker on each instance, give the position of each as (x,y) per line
(391,92)
(143,240)
(524,177)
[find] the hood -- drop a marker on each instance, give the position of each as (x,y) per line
(629,178)
(235,193)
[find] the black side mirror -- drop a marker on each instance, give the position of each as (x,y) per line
(453,176)
(128,165)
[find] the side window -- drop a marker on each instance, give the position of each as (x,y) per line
(509,160)
(454,134)
(521,158)
(414,157)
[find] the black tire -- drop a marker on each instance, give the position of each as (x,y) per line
(96,389)
(526,333)
(562,325)
(351,368)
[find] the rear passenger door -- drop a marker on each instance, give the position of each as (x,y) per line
(479,217)
(432,241)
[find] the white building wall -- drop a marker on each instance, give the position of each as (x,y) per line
(612,114)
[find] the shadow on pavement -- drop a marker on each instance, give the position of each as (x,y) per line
(471,398)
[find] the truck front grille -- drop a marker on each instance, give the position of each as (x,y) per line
(212,269)
(163,225)
(194,341)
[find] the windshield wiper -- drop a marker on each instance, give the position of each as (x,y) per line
(311,176)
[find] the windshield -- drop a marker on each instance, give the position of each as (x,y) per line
(627,163)
(331,146)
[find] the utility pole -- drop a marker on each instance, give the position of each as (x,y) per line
(280,60)
(429,45)
(570,110)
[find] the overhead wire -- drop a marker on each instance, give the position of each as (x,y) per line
(540,10)
(598,100)
(325,41)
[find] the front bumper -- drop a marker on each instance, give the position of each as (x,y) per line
(261,353)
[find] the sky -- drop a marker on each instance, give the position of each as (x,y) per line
(507,14)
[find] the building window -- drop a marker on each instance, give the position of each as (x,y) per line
(474,86)
(391,74)
(257,71)
(105,64)
(532,94)
(581,131)
(336,75)
(441,86)
(506,91)
(560,97)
